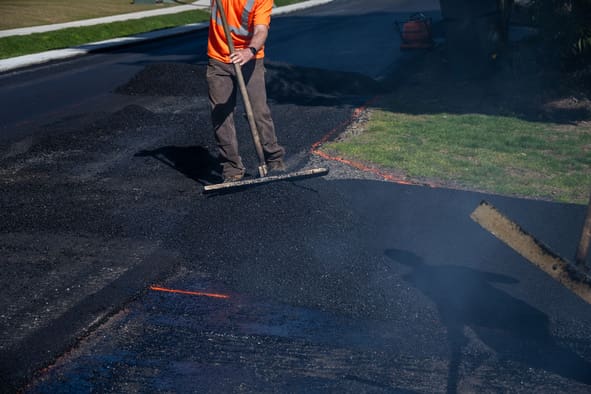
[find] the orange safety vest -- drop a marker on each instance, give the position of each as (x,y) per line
(242,16)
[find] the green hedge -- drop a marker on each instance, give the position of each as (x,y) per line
(565,24)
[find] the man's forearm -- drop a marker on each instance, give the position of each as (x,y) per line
(257,41)
(259,37)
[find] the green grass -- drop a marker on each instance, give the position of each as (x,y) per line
(495,154)
(25,13)
(280,3)
(39,42)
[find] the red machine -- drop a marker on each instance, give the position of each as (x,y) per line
(416,32)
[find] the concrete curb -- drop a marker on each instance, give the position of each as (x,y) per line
(299,6)
(198,5)
(20,362)
(61,54)
(15,63)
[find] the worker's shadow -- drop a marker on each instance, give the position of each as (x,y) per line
(513,329)
(195,162)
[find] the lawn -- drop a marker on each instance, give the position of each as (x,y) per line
(25,13)
(39,42)
(491,153)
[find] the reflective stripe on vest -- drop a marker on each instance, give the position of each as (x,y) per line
(241,30)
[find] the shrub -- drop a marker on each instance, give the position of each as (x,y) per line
(566,25)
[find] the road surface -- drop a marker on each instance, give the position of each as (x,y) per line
(342,283)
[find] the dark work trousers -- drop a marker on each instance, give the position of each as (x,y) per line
(221,79)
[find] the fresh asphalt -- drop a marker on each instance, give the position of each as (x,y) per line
(344,283)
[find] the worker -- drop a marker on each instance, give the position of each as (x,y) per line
(248,21)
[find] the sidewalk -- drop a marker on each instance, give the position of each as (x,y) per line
(200,5)
(61,54)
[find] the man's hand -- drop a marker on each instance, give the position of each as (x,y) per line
(258,39)
(242,56)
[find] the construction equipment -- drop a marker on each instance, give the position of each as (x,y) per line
(416,32)
(253,129)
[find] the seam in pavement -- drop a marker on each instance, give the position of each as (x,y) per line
(61,54)
(26,359)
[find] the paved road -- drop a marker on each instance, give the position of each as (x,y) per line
(343,283)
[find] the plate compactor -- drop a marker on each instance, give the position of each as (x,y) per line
(416,32)
(263,178)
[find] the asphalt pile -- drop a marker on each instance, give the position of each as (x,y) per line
(167,79)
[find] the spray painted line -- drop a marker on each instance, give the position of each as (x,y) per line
(194,293)
(315,150)
(357,112)
(364,168)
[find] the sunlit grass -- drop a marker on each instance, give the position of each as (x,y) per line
(495,154)
(25,13)
(39,42)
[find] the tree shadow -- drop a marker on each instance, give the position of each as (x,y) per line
(288,83)
(513,329)
(195,162)
(516,83)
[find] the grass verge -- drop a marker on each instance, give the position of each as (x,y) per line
(490,153)
(25,13)
(39,42)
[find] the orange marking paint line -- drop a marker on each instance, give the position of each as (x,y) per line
(195,293)
(362,167)
(357,112)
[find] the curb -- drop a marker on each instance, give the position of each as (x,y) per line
(15,63)
(62,54)
(102,20)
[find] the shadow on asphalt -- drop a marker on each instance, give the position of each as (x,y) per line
(195,162)
(516,84)
(291,84)
(467,298)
